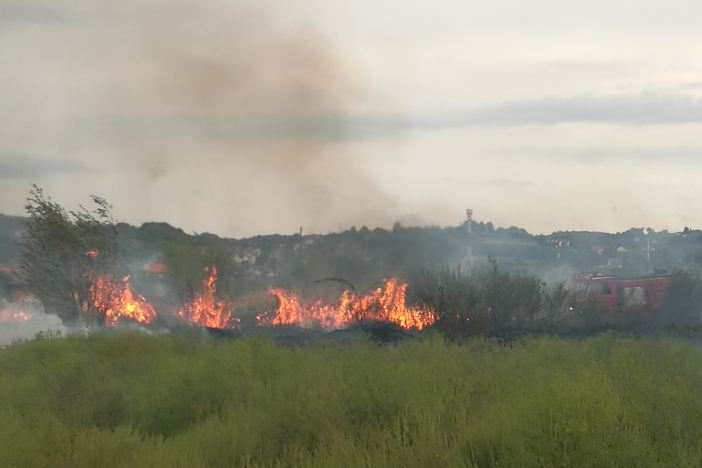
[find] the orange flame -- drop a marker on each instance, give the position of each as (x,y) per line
(14,315)
(21,316)
(92,253)
(116,301)
(385,304)
(206,310)
(291,311)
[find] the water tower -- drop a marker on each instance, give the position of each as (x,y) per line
(467,264)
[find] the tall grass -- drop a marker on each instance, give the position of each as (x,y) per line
(144,401)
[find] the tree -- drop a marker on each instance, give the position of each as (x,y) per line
(683,298)
(63,250)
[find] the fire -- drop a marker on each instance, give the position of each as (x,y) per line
(206,310)
(21,316)
(17,309)
(384,304)
(388,304)
(14,315)
(156,268)
(116,301)
(92,253)
(291,311)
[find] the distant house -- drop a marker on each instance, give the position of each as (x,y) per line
(559,242)
(249,256)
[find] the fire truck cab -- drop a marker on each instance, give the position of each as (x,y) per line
(624,294)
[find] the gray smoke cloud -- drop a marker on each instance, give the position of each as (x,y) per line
(221,116)
(13,166)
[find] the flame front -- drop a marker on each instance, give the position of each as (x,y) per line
(291,311)
(388,304)
(206,310)
(384,304)
(116,301)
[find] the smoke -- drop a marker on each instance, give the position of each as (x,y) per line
(25,320)
(221,116)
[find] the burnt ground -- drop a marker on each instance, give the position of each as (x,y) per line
(290,335)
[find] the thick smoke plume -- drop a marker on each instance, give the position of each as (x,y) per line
(220,116)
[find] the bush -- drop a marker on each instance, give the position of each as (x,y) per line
(488,302)
(457,300)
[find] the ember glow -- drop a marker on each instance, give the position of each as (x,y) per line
(206,310)
(116,301)
(21,316)
(92,253)
(384,304)
(14,315)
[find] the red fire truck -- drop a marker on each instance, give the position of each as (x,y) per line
(624,294)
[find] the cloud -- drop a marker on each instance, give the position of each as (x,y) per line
(508,183)
(661,153)
(340,125)
(28,13)
(242,117)
(630,109)
(634,109)
(19,166)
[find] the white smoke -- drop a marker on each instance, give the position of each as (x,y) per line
(26,320)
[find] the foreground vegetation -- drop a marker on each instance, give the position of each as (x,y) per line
(135,400)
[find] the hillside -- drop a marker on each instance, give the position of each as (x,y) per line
(368,255)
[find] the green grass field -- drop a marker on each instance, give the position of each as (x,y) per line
(130,400)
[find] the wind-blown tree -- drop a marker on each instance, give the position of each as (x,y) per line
(62,250)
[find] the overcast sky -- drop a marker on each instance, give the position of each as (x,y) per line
(240,117)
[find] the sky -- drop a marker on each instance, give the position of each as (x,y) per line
(239,117)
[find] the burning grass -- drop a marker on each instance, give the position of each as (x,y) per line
(384,304)
(206,309)
(116,302)
(130,400)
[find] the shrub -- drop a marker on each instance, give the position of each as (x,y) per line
(62,249)
(486,302)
